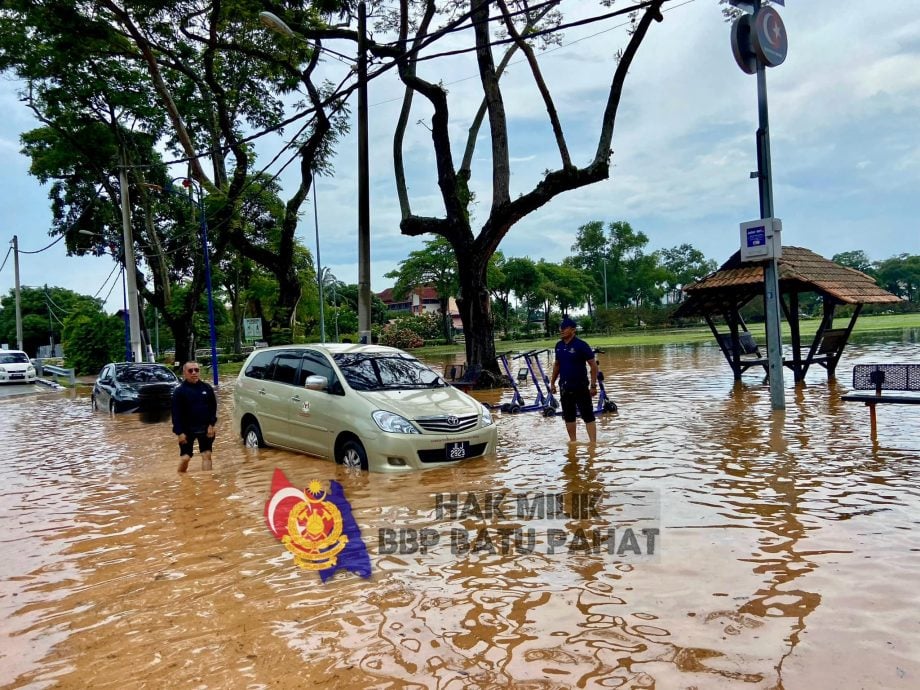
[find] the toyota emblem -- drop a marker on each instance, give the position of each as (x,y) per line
(453,421)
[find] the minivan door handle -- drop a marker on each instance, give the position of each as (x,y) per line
(261,391)
(296,398)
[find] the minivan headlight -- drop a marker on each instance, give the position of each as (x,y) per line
(393,423)
(486,416)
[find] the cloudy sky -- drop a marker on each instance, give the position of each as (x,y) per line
(844,123)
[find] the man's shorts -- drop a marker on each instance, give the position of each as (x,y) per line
(579,400)
(205,444)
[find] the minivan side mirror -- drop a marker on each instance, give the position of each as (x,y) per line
(316,383)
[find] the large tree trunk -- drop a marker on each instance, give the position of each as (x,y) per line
(474,304)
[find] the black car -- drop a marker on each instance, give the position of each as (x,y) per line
(134,387)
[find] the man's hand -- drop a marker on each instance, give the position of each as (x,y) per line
(593,389)
(552,387)
(211,431)
(182,440)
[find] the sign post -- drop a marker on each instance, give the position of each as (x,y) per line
(252,329)
(759,41)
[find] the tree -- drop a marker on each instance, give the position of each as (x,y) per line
(854,259)
(474,249)
(189,78)
(44,311)
(435,265)
(682,266)
(590,249)
(900,275)
(92,339)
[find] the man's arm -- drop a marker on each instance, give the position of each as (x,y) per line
(555,375)
(592,363)
(177,422)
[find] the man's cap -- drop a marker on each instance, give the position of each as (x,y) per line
(567,323)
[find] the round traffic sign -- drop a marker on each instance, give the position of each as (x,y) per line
(741,44)
(768,35)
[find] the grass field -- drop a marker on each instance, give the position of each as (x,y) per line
(637,338)
(699,334)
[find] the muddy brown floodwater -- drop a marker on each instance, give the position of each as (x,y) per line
(785,558)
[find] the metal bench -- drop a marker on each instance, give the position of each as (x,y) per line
(884,377)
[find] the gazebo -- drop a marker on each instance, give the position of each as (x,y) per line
(725,292)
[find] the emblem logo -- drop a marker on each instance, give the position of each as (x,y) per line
(452,420)
(316,526)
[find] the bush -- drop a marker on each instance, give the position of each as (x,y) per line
(403,338)
(92,340)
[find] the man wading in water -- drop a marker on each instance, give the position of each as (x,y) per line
(572,354)
(194,414)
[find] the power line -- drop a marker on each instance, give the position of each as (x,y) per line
(8,252)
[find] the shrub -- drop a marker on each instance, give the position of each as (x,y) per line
(403,338)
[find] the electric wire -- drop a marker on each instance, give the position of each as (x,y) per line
(8,252)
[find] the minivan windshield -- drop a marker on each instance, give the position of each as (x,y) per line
(369,372)
(13,358)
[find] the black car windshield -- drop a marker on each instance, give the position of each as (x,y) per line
(13,358)
(135,374)
(369,372)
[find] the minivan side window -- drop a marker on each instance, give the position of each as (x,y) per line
(285,367)
(260,366)
(315,364)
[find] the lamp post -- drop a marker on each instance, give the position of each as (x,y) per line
(364,205)
(278,25)
(605,283)
(319,270)
(189,184)
(134,321)
(15,244)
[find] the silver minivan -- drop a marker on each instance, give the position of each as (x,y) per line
(365,406)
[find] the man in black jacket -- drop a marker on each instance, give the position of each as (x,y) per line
(194,415)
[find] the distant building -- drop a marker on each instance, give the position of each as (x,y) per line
(420,300)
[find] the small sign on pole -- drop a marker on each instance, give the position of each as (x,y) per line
(761,239)
(252,329)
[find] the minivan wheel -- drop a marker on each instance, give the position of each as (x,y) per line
(252,436)
(352,455)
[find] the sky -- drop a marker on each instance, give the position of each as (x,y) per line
(844,115)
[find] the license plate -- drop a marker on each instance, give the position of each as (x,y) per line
(457,450)
(17,376)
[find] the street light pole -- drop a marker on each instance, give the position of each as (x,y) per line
(319,269)
(189,184)
(364,206)
(605,283)
(134,320)
(17,295)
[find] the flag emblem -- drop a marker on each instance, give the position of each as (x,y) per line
(316,526)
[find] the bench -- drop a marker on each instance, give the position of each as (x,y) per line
(884,377)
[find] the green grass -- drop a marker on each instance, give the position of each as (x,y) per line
(696,334)
(665,336)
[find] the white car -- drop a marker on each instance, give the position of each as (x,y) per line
(16,367)
(365,406)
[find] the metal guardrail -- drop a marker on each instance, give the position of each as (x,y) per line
(69,374)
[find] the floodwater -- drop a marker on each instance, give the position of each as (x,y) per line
(784,558)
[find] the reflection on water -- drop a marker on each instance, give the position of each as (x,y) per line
(785,559)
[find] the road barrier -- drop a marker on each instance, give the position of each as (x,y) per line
(42,369)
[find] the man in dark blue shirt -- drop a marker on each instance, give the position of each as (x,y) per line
(572,354)
(194,415)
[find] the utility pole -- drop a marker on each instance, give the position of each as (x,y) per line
(364,205)
(134,321)
(18,299)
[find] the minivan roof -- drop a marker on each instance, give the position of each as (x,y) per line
(336,348)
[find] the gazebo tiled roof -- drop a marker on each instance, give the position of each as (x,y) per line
(800,270)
